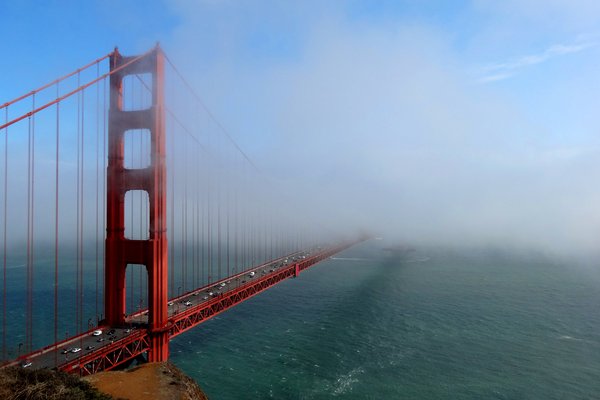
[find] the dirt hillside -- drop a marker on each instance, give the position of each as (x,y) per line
(148,381)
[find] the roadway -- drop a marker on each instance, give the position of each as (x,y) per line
(78,346)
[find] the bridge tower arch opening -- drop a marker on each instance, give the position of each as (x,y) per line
(136,291)
(121,251)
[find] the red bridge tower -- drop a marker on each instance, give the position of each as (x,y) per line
(121,251)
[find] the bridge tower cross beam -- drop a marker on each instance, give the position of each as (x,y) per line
(121,251)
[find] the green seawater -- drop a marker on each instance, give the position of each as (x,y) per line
(433,324)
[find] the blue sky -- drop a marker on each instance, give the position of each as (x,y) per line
(473,117)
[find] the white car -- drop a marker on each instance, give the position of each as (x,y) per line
(75,350)
(97,332)
(223,284)
(251,274)
(188,303)
(26,364)
(170,303)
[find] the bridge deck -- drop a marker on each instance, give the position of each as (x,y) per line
(108,350)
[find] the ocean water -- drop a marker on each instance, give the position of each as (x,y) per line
(433,324)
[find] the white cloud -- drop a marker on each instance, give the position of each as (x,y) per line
(504,70)
(379,127)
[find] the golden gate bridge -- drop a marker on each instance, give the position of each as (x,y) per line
(129,215)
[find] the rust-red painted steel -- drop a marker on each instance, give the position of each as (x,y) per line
(109,357)
(54,82)
(140,341)
(121,251)
(200,313)
(72,92)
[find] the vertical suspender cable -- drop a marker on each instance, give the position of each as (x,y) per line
(172,252)
(209,215)
(194,238)
(77,305)
(219,201)
(28,271)
(141,195)
(30,155)
(56,227)
(96,238)
(184,227)
(82,217)
(182,273)
(4,236)
(32,223)
(236,228)
(130,292)
(203,237)
(227,228)
(104,119)
(197,239)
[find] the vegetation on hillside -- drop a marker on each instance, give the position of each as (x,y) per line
(30,384)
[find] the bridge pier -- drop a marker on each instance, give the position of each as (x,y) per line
(159,342)
(296,270)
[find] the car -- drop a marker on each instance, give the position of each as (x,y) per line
(97,332)
(188,303)
(66,350)
(111,332)
(75,350)
(195,294)
(251,274)
(205,298)
(90,347)
(26,364)
(271,270)
(112,338)
(127,330)
(170,303)
(223,284)
(100,340)
(243,281)
(215,294)
(228,282)
(210,293)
